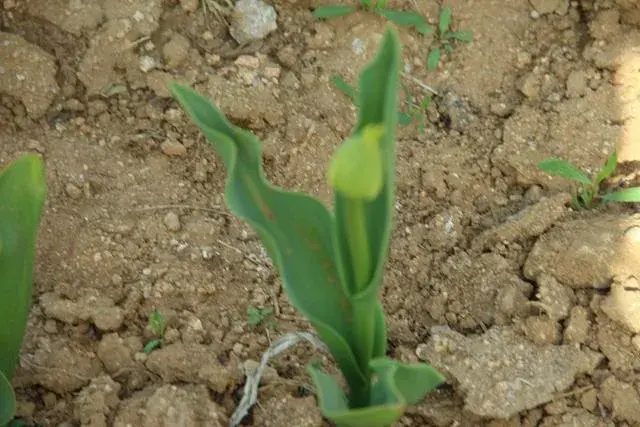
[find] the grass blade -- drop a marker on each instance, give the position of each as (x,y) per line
(401,17)
(424,29)
(433,58)
(564,169)
(444,21)
(628,195)
(404,118)
(332,11)
(461,36)
(344,87)
(608,168)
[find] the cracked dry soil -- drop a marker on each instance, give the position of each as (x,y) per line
(530,308)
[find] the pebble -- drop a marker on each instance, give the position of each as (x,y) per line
(544,7)
(248,61)
(542,330)
(578,325)
(200,173)
(176,51)
(252,20)
(173,148)
(237,349)
(556,298)
(189,5)
(589,400)
(147,63)
(533,194)
(73,191)
(172,221)
(577,84)
(501,109)
(530,86)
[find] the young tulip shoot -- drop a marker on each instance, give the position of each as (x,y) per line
(331,263)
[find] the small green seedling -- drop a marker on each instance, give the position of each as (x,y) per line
(22,195)
(416,112)
(590,190)
(399,17)
(157,325)
(332,261)
(260,316)
(446,38)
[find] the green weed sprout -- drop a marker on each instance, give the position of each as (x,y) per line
(22,194)
(446,38)
(400,17)
(157,325)
(416,113)
(331,262)
(259,316)
(589,190)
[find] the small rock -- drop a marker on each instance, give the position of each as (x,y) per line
(189,5)
(512,300)
(501,109)
(577,84)
(171,147)
(523,59)
(252,20)
(533,194)
(615,344)
(606,24)
(544,7)
(237,348)
(583,253)
(192,363)
(176,51)
(530,222)
(458,113)
(623,304)
(622,399)
(28,74)
(93,403)
(71,16)
(51,326)
(114,354)
(200,173)
(147,63)
(542,330)
(555,299)
(106,317)
(158,82)
(72,191)
(143,17)
(171,406)
(578,326)
(530,86)
(500,373)
(589,400)
(172,221)
(102,311)
(64,310)
(288,411)
(248,61)
(60,366)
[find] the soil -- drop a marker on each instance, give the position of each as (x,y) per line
(528,307)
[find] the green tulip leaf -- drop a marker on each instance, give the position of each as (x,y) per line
(22,193)
(7,401)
